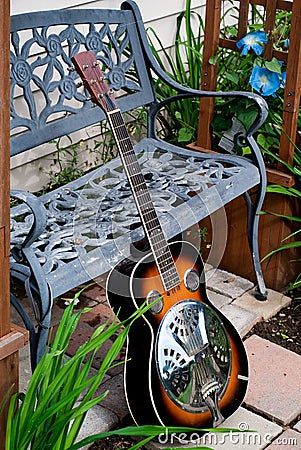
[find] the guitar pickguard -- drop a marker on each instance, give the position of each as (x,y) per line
(193,357)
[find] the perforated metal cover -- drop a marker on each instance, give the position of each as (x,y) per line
(193,357)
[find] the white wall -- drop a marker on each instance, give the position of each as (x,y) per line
(161,15)
(158,14)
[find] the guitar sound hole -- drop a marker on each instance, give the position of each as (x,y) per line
(191,280)
(155,296)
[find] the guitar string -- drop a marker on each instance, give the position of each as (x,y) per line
(170,277)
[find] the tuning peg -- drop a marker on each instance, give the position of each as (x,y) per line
(95,63)
(87,99)
(79,84)
(71,69)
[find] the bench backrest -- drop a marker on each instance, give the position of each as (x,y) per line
(41,53)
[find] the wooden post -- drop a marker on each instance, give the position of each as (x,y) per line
(292,89)
(11,339)
(209,71)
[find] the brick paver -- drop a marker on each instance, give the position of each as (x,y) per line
(226,283)
(115,400)
(218,300)
(266,309)
(241,318)
(297,426)
(275,380)
(96,291)
(97,420)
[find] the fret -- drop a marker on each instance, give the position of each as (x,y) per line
(170,285)
(138,180)
(145,201)
(166,267)
(170,275)
(152,224)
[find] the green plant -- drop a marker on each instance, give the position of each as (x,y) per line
(104,147)
(179,119)
(65,163)
(248,68)
(61,391)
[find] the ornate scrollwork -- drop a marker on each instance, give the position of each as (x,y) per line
(102,208)
(43,60)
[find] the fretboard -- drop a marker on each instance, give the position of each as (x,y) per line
(147,212)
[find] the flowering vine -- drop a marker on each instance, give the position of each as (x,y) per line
(266,76)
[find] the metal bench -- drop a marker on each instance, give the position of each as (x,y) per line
(79,231)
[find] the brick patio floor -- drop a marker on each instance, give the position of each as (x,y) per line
(272,406)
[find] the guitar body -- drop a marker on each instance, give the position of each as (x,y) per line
(186,364)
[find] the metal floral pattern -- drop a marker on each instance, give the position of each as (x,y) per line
(101,207)
(40,64)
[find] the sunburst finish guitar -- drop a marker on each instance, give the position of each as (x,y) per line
(186,364)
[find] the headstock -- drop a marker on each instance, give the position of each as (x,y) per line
(87,66)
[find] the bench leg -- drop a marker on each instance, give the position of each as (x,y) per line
(252,230)
(41,304)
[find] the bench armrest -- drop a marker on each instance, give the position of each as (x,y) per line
(185,92)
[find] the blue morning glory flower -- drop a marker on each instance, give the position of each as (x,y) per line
(264,81)
(283,79)
(252,41)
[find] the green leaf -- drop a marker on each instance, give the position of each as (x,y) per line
(284,336)
(295,244)
(185,135)
(276,188)
(232,77)
(247,116)
(294,218)
(246,151)
(213,60)
(273,65)
(148,430)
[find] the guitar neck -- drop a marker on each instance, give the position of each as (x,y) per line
(148,215)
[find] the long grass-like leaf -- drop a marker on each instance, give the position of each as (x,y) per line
(147,430)
(49,415)
(287,246)
(10,436)
(275,188)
